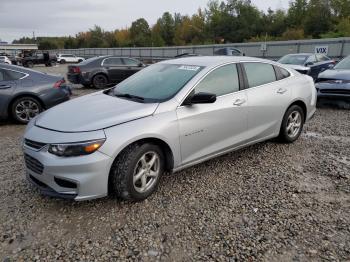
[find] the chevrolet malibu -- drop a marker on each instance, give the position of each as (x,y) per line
(167,117)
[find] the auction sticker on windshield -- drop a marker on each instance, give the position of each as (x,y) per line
(190,68)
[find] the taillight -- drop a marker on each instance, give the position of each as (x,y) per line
(59,83)
(76,70)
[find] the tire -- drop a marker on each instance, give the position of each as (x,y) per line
(25,108)
(63,61)
(129,164)
(30,64)
(80,60)
(292,124)
(99,81)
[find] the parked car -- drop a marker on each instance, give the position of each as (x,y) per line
(47,59)
(102,71)
(307,63)
(5,59)
(169,116)
(25,93)
(334,84)
(229,51)
(69,58)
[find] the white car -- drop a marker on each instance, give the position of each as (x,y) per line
(69,58)
(5,59)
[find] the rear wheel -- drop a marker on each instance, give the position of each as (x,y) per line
(292,124)
(25,108)
(136,172)
(100,81)
(63,61)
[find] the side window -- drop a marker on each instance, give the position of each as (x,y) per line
(13,75)
(114,61)
(2,76)
(221,81)
(259,73)
(130,62)
(283,73)
(322,58)
(311,59)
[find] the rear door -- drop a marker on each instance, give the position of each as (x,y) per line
(115,68)
(268,95)
(207,129)
(131,66)
(7,87)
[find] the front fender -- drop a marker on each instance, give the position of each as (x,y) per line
(162,126)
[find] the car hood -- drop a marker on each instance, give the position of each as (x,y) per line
(339,74)
(93,112)
(298,67)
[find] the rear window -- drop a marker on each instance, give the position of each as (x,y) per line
(259,74)
(13,75)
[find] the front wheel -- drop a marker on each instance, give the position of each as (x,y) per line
(292,124)
(136,172)
(25,108)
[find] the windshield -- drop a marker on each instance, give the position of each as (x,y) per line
(343,64)
(156,83)
(294,59)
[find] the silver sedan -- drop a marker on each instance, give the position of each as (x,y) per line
(167,117)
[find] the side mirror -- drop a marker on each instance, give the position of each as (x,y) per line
(309,64)
(200,98)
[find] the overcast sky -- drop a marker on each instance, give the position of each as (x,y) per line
(67,17)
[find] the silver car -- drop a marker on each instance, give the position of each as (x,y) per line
(167,117)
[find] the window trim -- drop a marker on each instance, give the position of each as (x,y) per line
(121,59)
(25,74)
(241,88)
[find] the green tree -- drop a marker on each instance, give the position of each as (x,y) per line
(167,28)
(297,13)
(318,18)
(140,33)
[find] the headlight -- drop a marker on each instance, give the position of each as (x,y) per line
(76,149)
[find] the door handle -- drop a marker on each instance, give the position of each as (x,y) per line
(239,102)
(4,86)
(281,91)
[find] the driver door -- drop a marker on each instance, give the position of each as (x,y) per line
(207,129)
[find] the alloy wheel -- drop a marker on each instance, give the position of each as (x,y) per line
(146,172)
(25,110)
(294,124)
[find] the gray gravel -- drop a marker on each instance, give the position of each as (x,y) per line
(269,202)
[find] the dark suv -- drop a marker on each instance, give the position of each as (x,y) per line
(103,71)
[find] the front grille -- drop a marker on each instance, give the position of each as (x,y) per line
(34,144)
(336,91)
(33,164)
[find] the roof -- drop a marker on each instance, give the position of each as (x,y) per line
(211,61)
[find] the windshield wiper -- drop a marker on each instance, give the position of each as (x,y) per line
(129,96)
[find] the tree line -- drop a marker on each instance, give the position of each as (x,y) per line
(230,21)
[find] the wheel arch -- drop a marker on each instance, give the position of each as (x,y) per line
(24,95)
(168,153)
(303,106)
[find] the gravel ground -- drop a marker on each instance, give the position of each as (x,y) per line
(268,202)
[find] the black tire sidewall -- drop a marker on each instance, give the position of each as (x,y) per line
(94,79)
(62,61)
(283,132)
(14,104)
(125,180)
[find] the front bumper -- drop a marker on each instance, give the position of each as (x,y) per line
(78,178)
(334,91)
